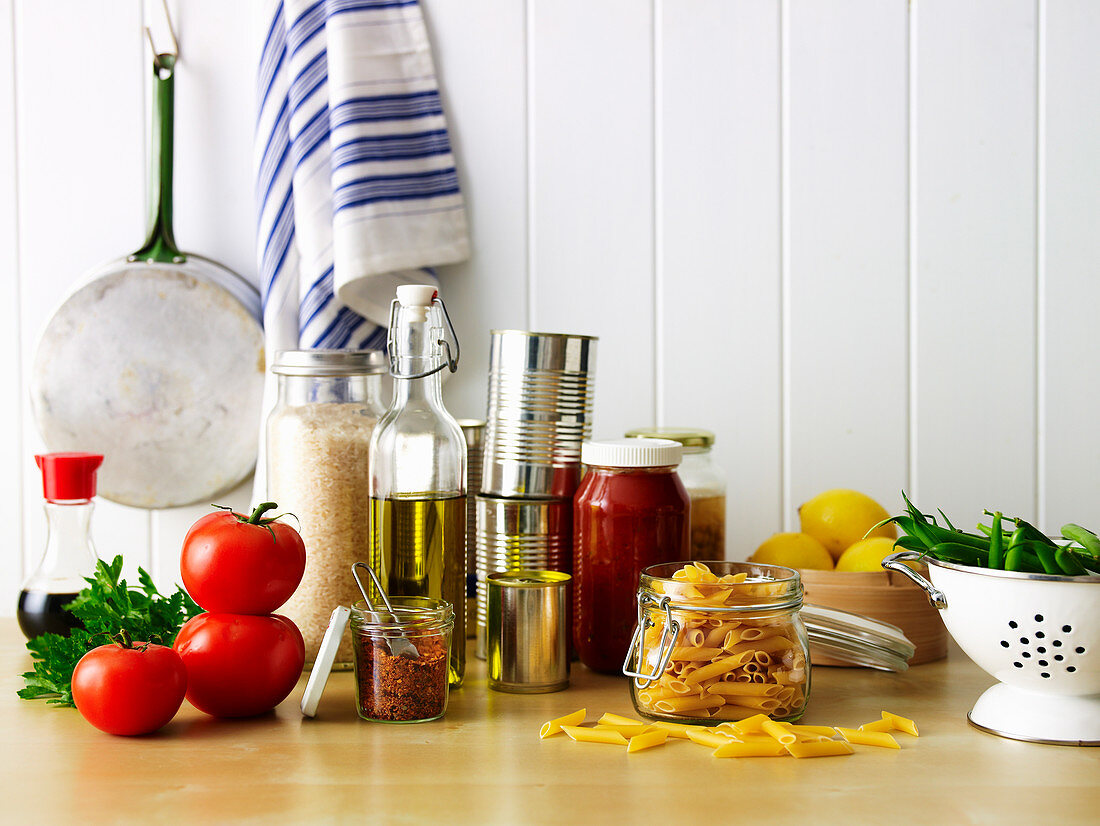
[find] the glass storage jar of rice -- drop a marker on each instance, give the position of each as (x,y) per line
(318,443)
(719,641)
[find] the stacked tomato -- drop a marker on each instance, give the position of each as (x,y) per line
(241,658)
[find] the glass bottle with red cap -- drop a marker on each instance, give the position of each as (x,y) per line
(68,484)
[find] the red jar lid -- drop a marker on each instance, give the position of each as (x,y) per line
(68,476)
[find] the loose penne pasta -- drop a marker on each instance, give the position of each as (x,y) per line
(679,730)
(770,748)
(554,726)
(901,723)
(824,731)
(709,737)
(868,738)
(610,719)
(594,735)
(751,724)
(648,740)
(819,748)
(625,731)
(779,732)
(732,712)
(878,725)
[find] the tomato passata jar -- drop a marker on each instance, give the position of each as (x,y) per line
(630,511)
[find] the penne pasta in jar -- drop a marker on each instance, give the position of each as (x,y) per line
(739,649)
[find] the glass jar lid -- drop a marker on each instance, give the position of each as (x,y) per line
(328,362)
(853,639)
(689,437)
(627,453)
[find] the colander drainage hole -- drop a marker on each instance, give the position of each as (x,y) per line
(1067,628)
(1079,650)
(1012,624)
(1026,655)
(1018,665)
(1044,674)
(1038,617)
(1058,658)
(1039,635)
(1041,650)
(1057,643)
(1070,668)
(1004,643)
(1023,640)
(1043,663)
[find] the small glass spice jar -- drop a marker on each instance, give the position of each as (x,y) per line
(630,511)
(719,641)
(706,485)
(391,686)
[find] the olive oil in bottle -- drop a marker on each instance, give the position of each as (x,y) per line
(418,468)
(417,549)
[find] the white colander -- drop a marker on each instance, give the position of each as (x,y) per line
(1038,635)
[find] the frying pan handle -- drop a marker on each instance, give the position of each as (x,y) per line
(160,243)
(894,563)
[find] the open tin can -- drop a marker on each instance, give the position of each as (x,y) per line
(528,631)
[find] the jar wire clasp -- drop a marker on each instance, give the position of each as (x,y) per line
(668,640)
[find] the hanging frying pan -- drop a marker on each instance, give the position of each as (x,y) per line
(156,360)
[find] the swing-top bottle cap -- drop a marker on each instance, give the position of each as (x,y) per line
(68,476)
(416,295)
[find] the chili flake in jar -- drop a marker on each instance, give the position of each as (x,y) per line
(630,511)
(396,687)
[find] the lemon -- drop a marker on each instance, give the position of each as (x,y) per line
(839,518)
(795,550)
(866,555)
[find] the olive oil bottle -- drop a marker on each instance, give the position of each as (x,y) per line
(418,468)
(417,542)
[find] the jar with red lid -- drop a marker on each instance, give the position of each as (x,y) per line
(630,511)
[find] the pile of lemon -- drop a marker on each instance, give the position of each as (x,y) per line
(834,535)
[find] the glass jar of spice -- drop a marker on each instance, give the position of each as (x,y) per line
(719,641)
(318,447)
(706,485)
(630,511)
(392,683)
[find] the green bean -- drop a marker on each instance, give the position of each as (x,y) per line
(978,543)
(1069,563)
(996,543)
(910,543)
(955,552)
(1031,532)
(1046,558)
(1017,558)
(1083,537)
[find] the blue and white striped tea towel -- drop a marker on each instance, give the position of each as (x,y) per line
(355,179)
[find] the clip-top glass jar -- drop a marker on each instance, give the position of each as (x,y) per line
(390,685)
(318,468)
(706,485)
(719,641)
(630,511)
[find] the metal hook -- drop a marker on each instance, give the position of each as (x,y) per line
(373,578)
(158,56)
(450,361)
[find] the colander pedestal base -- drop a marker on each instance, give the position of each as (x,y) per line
(1038,717)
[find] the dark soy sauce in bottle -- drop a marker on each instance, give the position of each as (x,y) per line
(41,612)
(68,485)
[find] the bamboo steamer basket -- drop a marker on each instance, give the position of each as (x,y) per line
(883,595)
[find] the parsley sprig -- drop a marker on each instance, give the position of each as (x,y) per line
(106,607)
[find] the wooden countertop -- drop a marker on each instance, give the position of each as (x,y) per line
(484,763)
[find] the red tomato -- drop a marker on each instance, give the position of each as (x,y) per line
(240,665)
(242,565)
(129,690)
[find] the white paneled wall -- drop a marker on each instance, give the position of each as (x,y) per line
(855,238)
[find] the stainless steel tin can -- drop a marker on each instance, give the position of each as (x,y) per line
(474,431)
(528,633)
(532,534)
(540,410)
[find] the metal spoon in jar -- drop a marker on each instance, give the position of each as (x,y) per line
(400,646)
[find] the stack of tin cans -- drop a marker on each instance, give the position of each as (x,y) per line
(540,411)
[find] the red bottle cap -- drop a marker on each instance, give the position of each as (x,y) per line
(68,476)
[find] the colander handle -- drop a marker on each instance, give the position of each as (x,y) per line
(894,563)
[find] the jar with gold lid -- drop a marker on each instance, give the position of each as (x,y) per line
(706,486)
